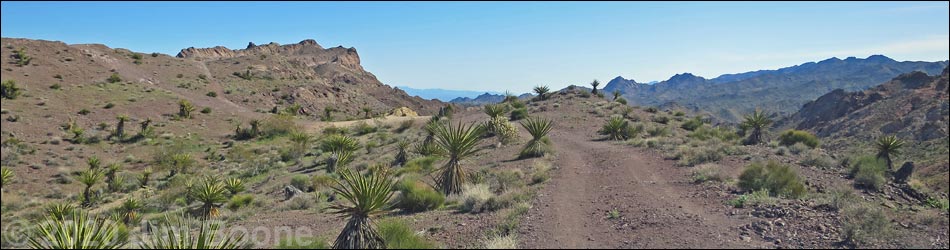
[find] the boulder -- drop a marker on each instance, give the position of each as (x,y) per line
(403,111)
(903,174)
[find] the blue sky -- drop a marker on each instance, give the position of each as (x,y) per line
(513,45)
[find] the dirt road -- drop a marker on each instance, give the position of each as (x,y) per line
(655,205)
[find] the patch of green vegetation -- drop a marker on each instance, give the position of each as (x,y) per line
(10,90)
(760,197)
(791,137)
(114,78)
(868,172)
(778,179)
(416,196)
(864,223)
(398,235)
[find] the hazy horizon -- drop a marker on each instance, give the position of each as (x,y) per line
(513,46)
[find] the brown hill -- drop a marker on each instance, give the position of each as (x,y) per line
(912,106)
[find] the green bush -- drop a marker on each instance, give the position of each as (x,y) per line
(303,243)
(661,119)
(692,124)
(416,196)
(363,128)
(709,173)
(10,90)
(301,182)
(212,94)
(868,172)
(507,180)
(777,178)
(791,137)
(760,197)
(114,78)
(518,114)
(816,159)
(239,201)
(206,110)
(278,125)
(422,165)
(398,235)
(658,131)
(703,133)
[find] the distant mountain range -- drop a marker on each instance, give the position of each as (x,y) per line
(783,91)
(486,98)
(444,95)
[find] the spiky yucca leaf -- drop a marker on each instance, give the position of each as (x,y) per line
(234,185)
(457,143)
(539,144)
(59,211)
(77,230)
(338,142)
(6,175)
(401,155)
(365,197)
(180,236)
(888,147)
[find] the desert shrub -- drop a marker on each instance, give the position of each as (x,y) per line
(55,86)
(838,198)
(781,150)
(278,125)
(777,178)
(760,197)
(507,133)
(864,223)
(661,119)
(303,243)
(301,182)
(692,124)
(405,125)
(212,94)
(206,110)
(691,156)
(708,173)
(703,133)
(109,105)
(791,137)
(363,128)
(868,172)
(240,201)
(658,131)
(333,130)
(816,159)
(798,148)
(502,242)
(473,197)
(114,78)
(507,180)
(422,165)
(398,235)
(416,196)
(540,173)
(518,114)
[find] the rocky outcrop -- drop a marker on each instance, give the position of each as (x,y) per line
(221,52)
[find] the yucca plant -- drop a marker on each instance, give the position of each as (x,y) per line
(59,211)
(78,135)
(180,236)
(594,84)
(144,178)
(180,163)
(616,128)
(887,148)
(120,127)
(6,175)
(185,108)
(457,143)
(129,211)
(616,94)
(111,170)
(401,156)
(758,122)
(542,92)
(341,148)
(509,97)
(93,162)
(211,193)
(145,130)
(494,111)
(301,143)
(234,185)
(365,198)
(89,178)
(77,230)
(539,144)
(366,111)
